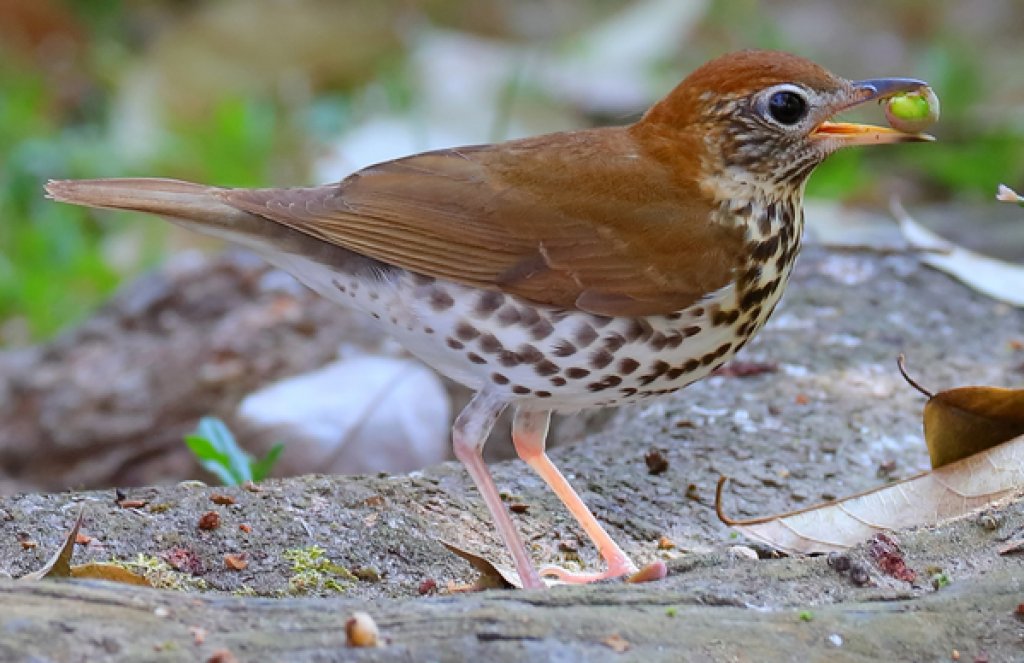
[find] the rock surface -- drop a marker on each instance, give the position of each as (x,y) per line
(831,419)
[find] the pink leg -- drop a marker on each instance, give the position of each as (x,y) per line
(469,434)
(529,431)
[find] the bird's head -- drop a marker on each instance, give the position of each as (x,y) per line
(765,117)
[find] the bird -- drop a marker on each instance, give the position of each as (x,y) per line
(566,271)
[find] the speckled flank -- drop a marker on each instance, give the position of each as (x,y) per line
(553,359)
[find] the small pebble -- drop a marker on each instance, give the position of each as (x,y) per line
(839,561)
(859,575)
(836,640)
(361,631)
(743,552)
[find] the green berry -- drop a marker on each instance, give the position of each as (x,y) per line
(912,112)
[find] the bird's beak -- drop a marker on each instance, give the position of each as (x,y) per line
(845,134)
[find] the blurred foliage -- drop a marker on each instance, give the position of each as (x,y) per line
(58,262)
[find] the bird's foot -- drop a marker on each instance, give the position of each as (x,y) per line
(653,571)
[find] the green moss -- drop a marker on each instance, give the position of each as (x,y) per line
(161,575)
(313,572)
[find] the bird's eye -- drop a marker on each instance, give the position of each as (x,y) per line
(787,107)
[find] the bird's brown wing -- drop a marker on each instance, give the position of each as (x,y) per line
(577,220)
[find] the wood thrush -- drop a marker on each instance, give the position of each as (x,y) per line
(565,271)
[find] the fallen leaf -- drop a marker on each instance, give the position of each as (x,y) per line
(1012,547)
(493,575)
(964,421)
(995,278)
(59,565)
(222,499)
(108,572)
(616,643)
(926,499)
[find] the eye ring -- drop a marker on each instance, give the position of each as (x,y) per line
(787,107)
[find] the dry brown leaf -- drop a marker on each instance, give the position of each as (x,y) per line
(492,575)
(108,572)
(967,420)
(926,499)
(59,565)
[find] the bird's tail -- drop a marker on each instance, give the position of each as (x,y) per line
(206,209)
(177,200)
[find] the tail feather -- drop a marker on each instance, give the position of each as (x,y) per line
(205,209)
(171,198)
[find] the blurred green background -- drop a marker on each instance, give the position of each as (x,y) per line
(266,92)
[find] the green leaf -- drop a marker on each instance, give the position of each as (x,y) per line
(219,453)
(261,468)
(211,460)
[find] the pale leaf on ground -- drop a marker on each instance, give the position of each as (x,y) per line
(995,278)
(59,565)
(933,497)
(1008,195)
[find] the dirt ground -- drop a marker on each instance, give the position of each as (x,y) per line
(833,418)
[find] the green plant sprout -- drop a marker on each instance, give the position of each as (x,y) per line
(219,454)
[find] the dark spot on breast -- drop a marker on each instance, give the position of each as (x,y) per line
(674,316)
(419,279)
(674,373)
(454,345)
(628,391)
(628,365)
(542,394)
(613,341)
(508,359)
(529,354)
(466,331)
(692,330)
(658,369)
(557,381)
(657,342)
(760,252)
(439,299)
(691,365)
(601,358)
(508,315)
(564,348)
(528,316)
(520,389)
(576,373)
(638,330)
(428,330)
(697,312)
(764,222)
(475,358)
(749,277)
(720,317)
(585,335)
(488,303)
(545,367)
(723,349)
(541,330)
(498,378)
(600,321)
(490,344)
